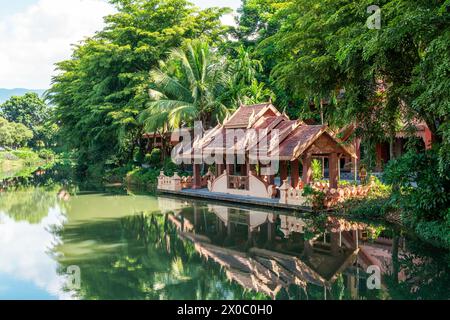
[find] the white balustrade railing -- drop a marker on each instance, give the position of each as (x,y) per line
(169,183)
(292,196)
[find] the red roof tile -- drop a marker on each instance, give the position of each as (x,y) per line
(302,136)
(242,116)
(294,136)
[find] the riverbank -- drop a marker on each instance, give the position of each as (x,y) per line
(24,162)
(383,205)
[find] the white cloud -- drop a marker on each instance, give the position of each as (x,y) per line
(24,249)
(33,40)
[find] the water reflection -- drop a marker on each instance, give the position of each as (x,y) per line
(26,271)
(141,247)
(321,257)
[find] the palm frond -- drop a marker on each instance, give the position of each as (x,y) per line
(169,86)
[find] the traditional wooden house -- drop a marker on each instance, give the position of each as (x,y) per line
(385,150)
(261,136)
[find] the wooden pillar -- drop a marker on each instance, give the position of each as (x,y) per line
(220,169)
(196,218)
(220,226)
(283,171)
(229,229)
(333,169)
(428,138)
(270,179)
(378,156)
(339,168)
(307,171)
(244,168)
(197,178)
(334,244)
(270,231)
(308,248)
(230,169)
(294,173)
(355,239)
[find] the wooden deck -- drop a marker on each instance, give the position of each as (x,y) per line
(236,199)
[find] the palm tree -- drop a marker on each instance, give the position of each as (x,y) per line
(188,86)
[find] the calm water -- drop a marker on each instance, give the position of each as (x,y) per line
(143,247)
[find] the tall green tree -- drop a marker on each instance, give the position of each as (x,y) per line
(325,46)
(102,89)
(14,134)
(259,20)
(244,84)
(30,111)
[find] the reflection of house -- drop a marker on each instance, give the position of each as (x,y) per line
(265,252)
(269,252)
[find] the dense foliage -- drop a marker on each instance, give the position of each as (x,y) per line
(34,114)
(104,87)
(423,194)
(13,134)
(187,87)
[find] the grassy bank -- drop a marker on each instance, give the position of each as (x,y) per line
(13,162)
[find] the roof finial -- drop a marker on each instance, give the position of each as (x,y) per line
(270,99)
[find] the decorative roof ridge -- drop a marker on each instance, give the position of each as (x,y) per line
(341,143)
(230,117)
(256,104)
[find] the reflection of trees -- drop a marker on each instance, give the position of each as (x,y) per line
(28,204)
(427,272)
(139,257)
(417,271)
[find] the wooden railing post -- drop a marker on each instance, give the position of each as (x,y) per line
(284,191)
(176,182)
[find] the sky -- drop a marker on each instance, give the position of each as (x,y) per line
(35,34)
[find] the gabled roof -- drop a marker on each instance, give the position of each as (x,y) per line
(298,140)
(245,115)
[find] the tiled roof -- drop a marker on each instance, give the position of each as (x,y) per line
(241,117)
(300,138)
(294,136)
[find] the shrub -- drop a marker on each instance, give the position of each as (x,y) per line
(316,197)
(316,167)
(420,188)
(142,176)
(170,167)
(153,158)
(46,154)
